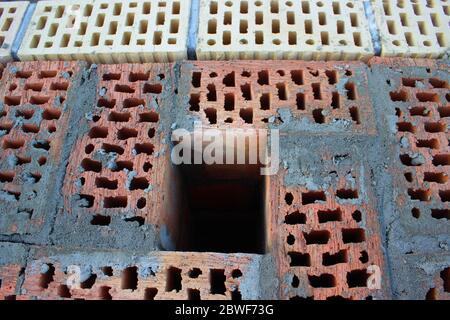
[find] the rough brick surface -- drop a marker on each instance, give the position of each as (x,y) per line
(168,275)
(33,124)
(314,96)
(108,31)
(11,15)
(413,28)
(308,30)
(12,268)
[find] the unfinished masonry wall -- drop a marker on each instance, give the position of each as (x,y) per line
(362,182)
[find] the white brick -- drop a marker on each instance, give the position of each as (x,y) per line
(11,15)
(272,29)
(108,31)
(417,29)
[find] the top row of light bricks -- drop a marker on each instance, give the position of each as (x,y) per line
(118,31)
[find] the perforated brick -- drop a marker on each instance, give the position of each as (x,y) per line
(157,276)
(117,166)
(108,31)
(33,124)
(329,242)
(12,267)
(266,29)
(252,93)
(11,15)
(413,28)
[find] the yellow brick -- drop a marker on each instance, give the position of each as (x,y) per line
(417,29)
(108,31)
(270,29)
(11,15)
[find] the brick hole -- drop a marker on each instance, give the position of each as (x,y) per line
(316,91)
(265,101)
(246,92)
(228,120)
(37,87)
(115,202)
(438,84)
(110,148)
(12,87)
(14,194)
(25,113)
(138,184)
(139,220)
(354,113)
(289,198)
(329,259)
(409,161)
(397,96)
(133,103)
(408,176)
(151,133)
(300,100)
(173,280)
(104,103)
(324,39)
(336,100)
(194,102)
(295,281)
(211,115)
(295,218)
(129,279)
(447,97)
(419,111)
(86,201)
(21,160)
(299,259)
(212,94)
(46,276)
(353,235)
(440,213)
(100,220)
(105,183)
(282,91)
(340,27)
(35,177)
(322,19)
(98,133)
(152,88)
(91,165)
(236,294)
(217,281)
(23,74)
(63,291)
(444,195)
(103,293)
(51,114)
(313,197)
(196,79)
(290,239)
(410,82)
(364,257)
(351,91)
(323,281)
(121,165)
(263,77)
(42,161)
(317,237)
(119,116)
(357,216)
(13,143)
(111,76)
(437,177)
(146,148)
(415,212)
(127,133)
(123,88)
(59,86)
(229,79)
(347,194)
(432,294)
(150,293)
(212,26)
(445,276)
(193,294)
(12,100)
(246,114)
(45,74)
(357,278)
(421,195)
(329,215)
(226,38)
(107,271)
(434,127)
(441,160)
(229,102)
(332,76)
(6,127)
(406,127)
(7,176)
(246,74)
(318,116)
(138,76)
(427,97)
(444,112)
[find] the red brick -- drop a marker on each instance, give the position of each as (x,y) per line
(9,275)
(248,94)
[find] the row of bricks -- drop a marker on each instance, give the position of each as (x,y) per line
(157,31)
